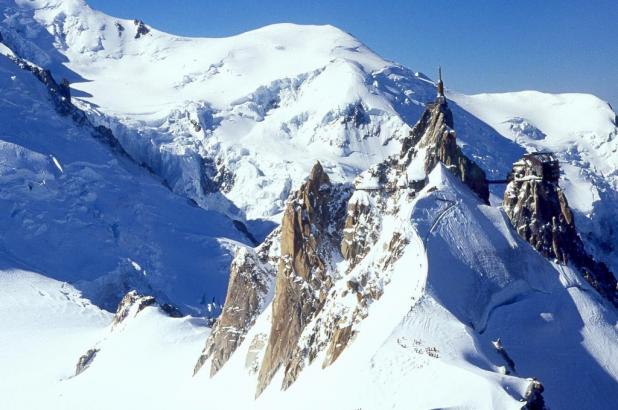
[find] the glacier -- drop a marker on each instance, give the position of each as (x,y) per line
(211,136)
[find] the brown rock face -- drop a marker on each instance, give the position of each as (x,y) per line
(250,280)
(432,137)
(340,339)
(540,213)
(303,279)
(317,229)
(434,132)
(132,303)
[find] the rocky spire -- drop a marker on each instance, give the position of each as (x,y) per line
(540,213)
(251,276)
(303,279)
(432,140)
(434,137)
(440,98)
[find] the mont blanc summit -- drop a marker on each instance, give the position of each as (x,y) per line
(283,219)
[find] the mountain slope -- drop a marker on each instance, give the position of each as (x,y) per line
(582,130)
(79,211)
(212,117)
(394,279)
(250,110)
(408,352)
(431,283)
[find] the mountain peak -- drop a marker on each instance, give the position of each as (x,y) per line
(389,270)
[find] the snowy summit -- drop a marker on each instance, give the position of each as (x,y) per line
(283,219)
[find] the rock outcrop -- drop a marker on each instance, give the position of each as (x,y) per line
(508,361)
(60,95)
(308,244)
(358,234)
(534,396)
(85,361)
(431,141)
(251,279)
(303,275)
(141,28)
(540,213)
(434,136)
(133,303)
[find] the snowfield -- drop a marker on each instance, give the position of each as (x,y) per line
(428,342)
(210,137)
(77,211)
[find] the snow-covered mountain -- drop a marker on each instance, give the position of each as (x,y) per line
(214,116)
(391,281)
(77,209)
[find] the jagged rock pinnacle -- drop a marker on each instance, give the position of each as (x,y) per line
(250,276)
(540,213)
(435,135)
(302,279)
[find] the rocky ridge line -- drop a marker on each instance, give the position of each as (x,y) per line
(322,224)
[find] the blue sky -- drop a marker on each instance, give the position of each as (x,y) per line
(483,45)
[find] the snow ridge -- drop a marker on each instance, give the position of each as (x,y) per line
(426,288)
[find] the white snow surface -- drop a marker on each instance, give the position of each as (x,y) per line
(269,102)
(428,342)
(272,101)
(74,210)
(83,224)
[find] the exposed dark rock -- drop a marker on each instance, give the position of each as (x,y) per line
(540,213)
(358,234)
(356,115)
(119,27)
(85,361)
(60,95)
(340,339)
(105,136)
(64,89)
(62,104)
(142,29)
(299,270)
(215,177)
(432,140)
(171,310)
(316,227)
(510,364)
(303,281)
(196,125)
(243,229)
(534,396)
